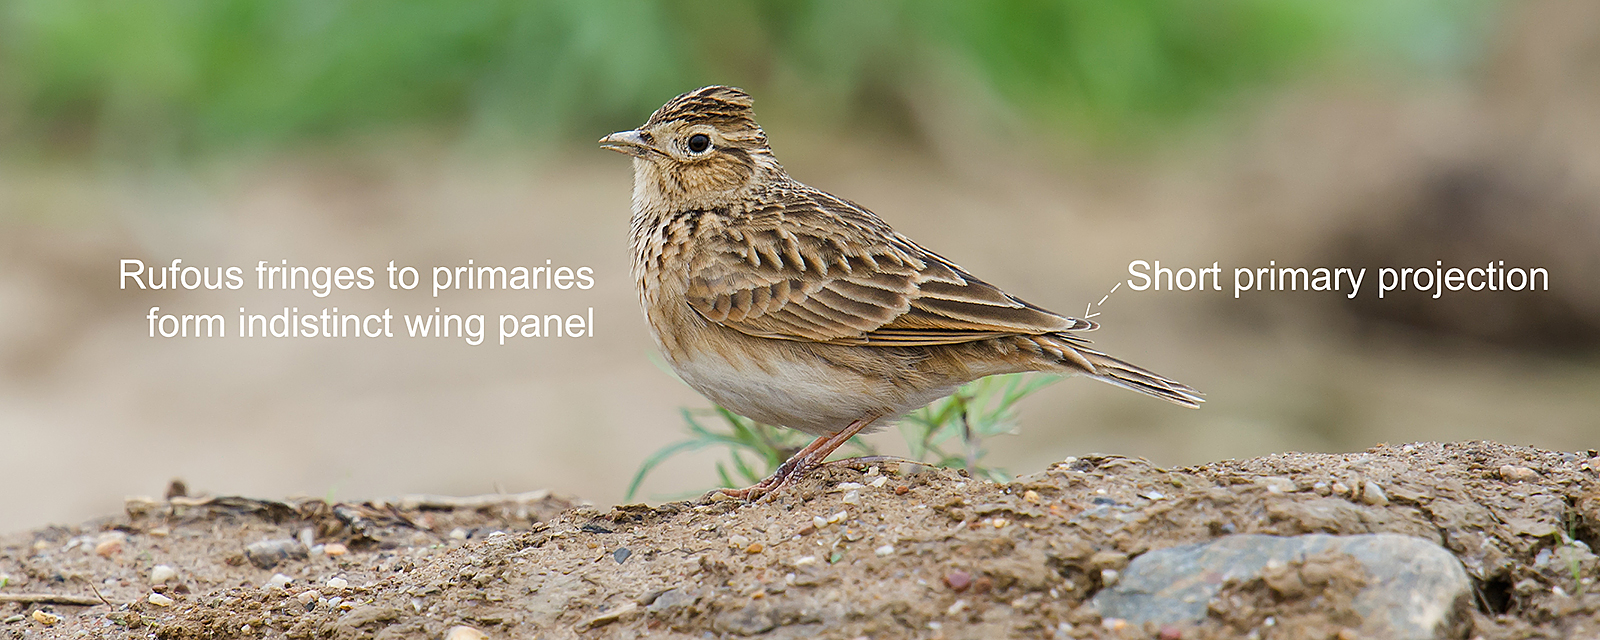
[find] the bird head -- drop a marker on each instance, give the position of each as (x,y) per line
(699,149)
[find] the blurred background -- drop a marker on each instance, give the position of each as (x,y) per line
(1042,145)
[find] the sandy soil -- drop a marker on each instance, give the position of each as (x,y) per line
(902,552)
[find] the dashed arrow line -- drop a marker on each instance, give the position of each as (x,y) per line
(1092,305)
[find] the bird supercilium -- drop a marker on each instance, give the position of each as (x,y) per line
(794,307)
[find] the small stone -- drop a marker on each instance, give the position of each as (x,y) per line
(277,581)
(334,549)
(1108,577)
(1113,624)
(1170,632)
(738,541)
(847,486)
(885,550)
(804,560)
(1339,488)
(338,583)
(958,581)
(878,484)
(901,490)
(1320,488)
(819,522)
(110,543)
(621,611)
(806,530)
(161,573)
(267,554)
(308,596)
(159,600)
(458,534)
(956,608)
(871,471)
(1000,523)
(45,617)
(837,517)
(464,632)
(1373,494)
(851,497)
(621,554)
(1511,473)
(1276,485)
(1030,496)
(335,601)
(755,547)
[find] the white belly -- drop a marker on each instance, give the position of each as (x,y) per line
(807,394)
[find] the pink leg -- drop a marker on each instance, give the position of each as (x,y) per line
(800,463)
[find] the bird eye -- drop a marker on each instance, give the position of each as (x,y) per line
(699,142)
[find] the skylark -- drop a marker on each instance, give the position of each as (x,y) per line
(794,307)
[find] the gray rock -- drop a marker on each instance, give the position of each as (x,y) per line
(267,554)
(1414,589)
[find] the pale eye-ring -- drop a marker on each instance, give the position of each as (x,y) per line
(699,143)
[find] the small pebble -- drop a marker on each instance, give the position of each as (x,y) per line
(1031,496)
(885,550)
(267,554)
(878,484)
(958,580)
(621,554)
(464,632)
(1108,577)
(1000,523)
(45,617)
(277,581)
(1373,494)
(159,600)
(458,534)
(804,560)
(956,608)
(338,583)
(852,497)
(1114,624)
(819,522)
(334,549)
(1169,632)
(755,547)
(738,541)
(847,486)
(901,490)
(161,573)
(335,601)
(837,517)
(308,596)
(1511,473)
(109,543)
(871,471)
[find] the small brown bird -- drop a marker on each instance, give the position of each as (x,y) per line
(794,307)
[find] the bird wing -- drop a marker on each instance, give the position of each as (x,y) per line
(812,267)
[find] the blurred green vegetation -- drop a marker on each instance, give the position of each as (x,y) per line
(177,77)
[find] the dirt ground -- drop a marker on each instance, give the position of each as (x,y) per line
(883,552)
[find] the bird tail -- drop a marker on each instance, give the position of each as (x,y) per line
(1128,376)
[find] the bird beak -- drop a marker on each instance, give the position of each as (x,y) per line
(629,142)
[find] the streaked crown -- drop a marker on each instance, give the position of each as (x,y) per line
(729,109)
